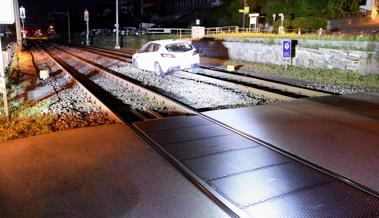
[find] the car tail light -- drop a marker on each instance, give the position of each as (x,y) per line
(195,52)
(165,55)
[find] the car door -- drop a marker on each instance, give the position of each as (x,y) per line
(155,55)
(151,56)
(141,56)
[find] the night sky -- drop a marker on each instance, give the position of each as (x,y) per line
(37,12)
(40,8)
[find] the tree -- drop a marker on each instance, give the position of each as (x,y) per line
(343,8)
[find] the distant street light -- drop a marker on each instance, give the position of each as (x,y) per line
(68,22)
(117,46)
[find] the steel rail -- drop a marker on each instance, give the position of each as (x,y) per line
(274,94)
(263,82)
(92,97)
(156,97)
(252,84)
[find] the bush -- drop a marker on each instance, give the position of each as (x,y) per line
(308,24)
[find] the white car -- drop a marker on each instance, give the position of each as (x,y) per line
(163,56)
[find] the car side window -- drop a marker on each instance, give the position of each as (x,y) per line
(147,48)
(156,47)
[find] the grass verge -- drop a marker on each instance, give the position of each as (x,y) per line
(314,75)
(25,120)
(331,37)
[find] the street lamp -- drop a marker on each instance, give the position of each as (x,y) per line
(68,21)
(86,18)
(117,46)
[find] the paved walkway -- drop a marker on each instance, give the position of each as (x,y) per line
(94,172)
(368,28)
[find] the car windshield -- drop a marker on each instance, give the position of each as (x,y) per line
(179,47)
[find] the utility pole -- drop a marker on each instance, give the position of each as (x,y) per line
(18,26)
(86,18)
(141,7)
(117,46)
(68,26)
(244,13)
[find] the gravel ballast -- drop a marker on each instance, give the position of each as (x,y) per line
(194,93)
(70,104)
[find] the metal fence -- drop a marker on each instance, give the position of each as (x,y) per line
(8,53)
(221,30)
(237,29)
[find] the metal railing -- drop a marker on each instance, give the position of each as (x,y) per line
(225,29)
(169,31)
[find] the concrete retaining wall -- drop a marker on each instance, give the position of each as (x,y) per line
(362,62)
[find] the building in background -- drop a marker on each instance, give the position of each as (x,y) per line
(174,6)
(162,11)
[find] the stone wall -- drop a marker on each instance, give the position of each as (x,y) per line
(363,62)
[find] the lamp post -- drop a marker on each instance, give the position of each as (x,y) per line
(68,22)
(86,18)
(281,28)
(18,26)
(117,46)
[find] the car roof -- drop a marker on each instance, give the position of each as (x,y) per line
(169,41)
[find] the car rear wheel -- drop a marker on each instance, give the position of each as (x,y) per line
(158,69)
(135,64)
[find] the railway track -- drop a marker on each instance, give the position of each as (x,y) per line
(269,88)
(131,102)
(188,90)
(74,81)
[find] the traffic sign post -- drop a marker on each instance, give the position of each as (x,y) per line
(23,16)
(244,11)
(22,12)
(287,51)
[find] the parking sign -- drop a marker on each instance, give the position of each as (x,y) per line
(286,47)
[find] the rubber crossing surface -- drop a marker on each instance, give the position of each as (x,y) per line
(256,180)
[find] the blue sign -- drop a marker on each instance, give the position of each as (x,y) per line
(286,47)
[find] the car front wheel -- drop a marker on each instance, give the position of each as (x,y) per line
(158,69)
